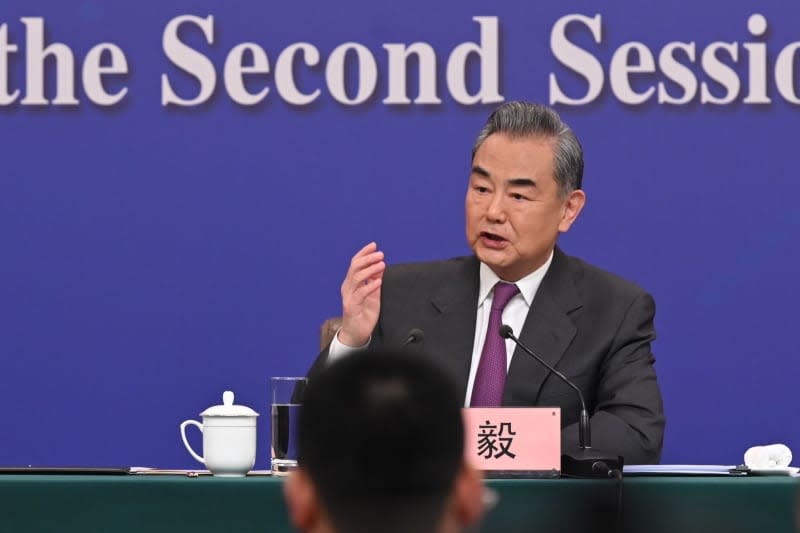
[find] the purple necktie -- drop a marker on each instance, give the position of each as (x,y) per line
(490,380)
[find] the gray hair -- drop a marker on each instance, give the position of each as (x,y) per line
(525,119)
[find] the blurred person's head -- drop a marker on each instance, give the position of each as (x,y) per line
(381,449)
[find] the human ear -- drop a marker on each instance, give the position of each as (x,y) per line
(468,497)
(571,209)
(301,500)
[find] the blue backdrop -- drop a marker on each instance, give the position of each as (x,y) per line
(152,256)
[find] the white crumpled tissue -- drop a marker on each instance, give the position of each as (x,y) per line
(771,456)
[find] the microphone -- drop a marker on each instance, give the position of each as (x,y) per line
(587,463)
(415,335)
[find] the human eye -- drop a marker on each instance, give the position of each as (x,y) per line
(518,197)
(480,188)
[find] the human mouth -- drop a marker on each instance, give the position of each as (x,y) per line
(492,240)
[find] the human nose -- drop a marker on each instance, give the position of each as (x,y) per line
(496,211)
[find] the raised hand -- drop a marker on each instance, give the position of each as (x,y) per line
(361,296)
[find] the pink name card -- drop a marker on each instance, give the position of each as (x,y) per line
(514,439)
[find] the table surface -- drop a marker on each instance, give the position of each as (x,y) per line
(154,504)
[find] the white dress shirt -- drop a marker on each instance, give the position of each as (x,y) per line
(514,315)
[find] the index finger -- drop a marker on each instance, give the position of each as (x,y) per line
(369,248)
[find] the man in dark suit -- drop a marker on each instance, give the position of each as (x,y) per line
(594,327)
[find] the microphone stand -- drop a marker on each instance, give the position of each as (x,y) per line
(587,462)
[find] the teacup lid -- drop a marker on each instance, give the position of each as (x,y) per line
(227,408)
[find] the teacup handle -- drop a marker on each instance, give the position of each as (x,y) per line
(186,442)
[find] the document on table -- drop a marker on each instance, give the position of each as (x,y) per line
(683,470)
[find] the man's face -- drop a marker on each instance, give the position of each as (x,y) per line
(514,210)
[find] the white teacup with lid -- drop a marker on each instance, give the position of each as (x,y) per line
(229,438)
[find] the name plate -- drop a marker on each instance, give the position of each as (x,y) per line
(524,441)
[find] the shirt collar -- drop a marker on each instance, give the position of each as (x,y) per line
(527,286)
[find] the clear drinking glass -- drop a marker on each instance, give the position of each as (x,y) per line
(287,393)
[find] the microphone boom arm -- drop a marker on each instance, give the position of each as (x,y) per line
(584,431)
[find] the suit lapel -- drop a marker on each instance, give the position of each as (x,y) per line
(456,305)
(548,332)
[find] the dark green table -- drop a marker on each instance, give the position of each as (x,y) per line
(154,504)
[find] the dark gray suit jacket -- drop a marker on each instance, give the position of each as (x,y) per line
(594,327)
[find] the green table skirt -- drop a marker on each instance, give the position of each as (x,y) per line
(174,504)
